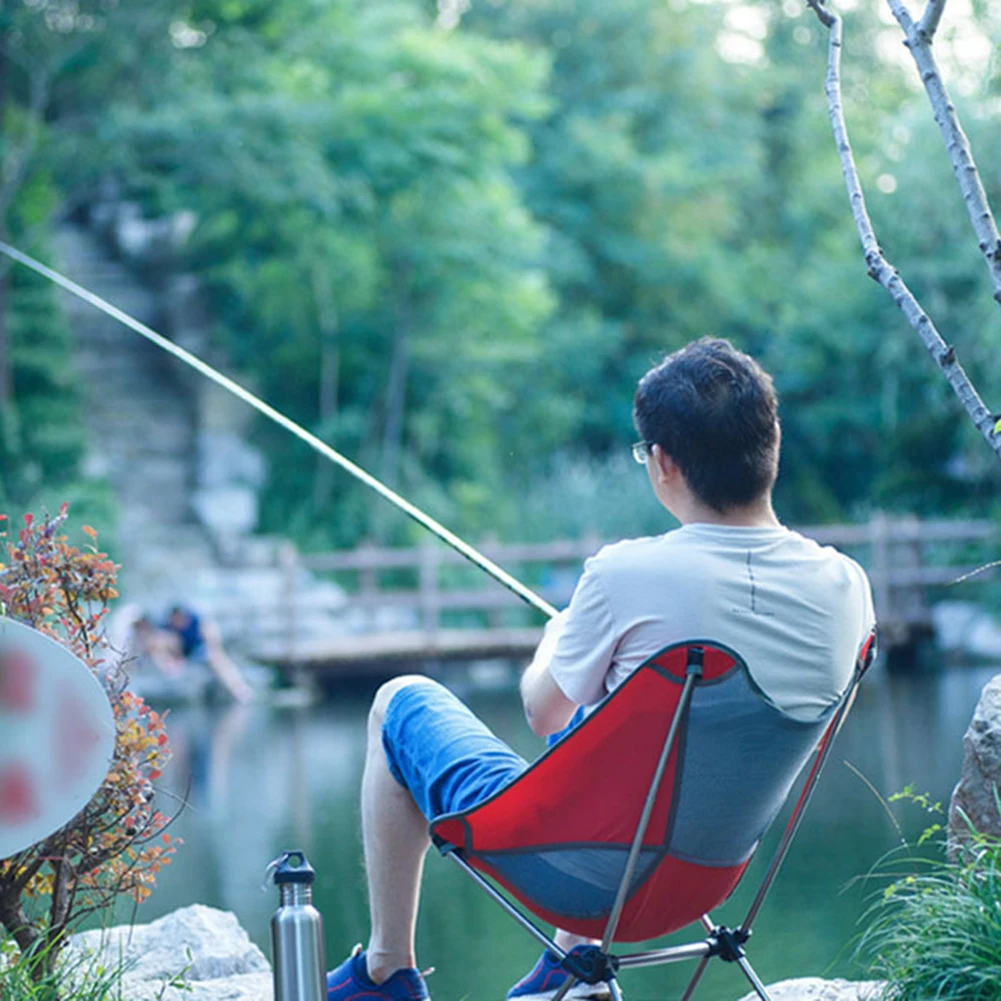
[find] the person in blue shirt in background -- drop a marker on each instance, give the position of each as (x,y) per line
(190,638)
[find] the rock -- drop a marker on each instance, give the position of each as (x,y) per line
(985,639)
(225,459)
(816,989)
(226,511)
(149,241)
(229,474)
(952,622)
(980,782)
(194,954)
(964,627)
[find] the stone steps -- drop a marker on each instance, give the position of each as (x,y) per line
(140,419)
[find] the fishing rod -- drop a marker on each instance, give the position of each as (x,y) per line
(435,527)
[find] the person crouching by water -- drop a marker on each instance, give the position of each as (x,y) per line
(185,638)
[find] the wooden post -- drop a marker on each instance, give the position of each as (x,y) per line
(368,584)
(427,585)
(911,600)
(488,544)
(288,561)
(880,574)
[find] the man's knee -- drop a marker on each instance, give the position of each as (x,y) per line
(388,689)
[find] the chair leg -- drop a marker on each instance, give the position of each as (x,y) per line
(613,986)
(696,977)
(562,992)
(759,987)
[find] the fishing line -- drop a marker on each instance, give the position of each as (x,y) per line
(450,538)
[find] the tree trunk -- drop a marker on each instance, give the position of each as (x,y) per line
(399,364)
(330,361)
(59,912)
(16,923)
(6,381)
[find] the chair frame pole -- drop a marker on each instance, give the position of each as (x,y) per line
(799,812)
(499,898)
(669,954)
(755,980)
(720,941)
(693,671)
(696,977)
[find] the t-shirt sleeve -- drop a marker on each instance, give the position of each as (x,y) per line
(868,611)
(587,643)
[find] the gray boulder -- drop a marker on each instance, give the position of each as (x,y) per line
(964,627)
(975,793)
(816,989)
(194,954)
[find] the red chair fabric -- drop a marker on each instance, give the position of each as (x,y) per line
(558,836)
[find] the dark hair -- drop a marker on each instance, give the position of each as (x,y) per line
(713,409)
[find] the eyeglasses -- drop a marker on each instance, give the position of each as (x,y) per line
(641,451)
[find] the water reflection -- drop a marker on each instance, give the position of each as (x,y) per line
(259,780)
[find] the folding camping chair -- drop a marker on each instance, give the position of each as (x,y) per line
(643,818)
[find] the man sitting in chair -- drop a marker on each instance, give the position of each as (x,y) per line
(798,613)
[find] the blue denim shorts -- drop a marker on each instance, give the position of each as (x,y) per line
(447,757)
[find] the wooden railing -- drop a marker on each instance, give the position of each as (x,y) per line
(425,589)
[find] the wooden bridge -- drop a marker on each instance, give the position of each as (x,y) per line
(429,603)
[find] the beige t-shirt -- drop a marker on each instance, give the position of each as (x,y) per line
(797,612)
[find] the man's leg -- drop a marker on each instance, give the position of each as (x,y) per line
(567,940)
(394,833)
(428,755)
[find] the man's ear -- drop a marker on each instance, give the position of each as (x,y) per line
(665,468)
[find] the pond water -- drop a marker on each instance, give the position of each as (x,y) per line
(258,780)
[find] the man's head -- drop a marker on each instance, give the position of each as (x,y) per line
(179,617)
(713,410)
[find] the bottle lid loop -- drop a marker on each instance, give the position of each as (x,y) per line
(290,867)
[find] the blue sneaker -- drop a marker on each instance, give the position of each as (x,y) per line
(547,977)
(351,982)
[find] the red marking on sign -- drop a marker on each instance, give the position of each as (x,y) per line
(17,681)
(18,803)
(75,740)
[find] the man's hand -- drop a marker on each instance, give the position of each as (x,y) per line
(547,709)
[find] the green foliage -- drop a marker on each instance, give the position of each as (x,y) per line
(83,978)
(41,439)
(935,930)
(41,435)
(450,253)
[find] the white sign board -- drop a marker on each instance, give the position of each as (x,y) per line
(57,736)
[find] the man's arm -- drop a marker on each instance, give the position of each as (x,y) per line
(547,709)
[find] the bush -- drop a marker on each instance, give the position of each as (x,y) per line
(28,980)
(935,932)
(117,843)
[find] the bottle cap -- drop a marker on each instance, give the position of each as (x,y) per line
(292,867)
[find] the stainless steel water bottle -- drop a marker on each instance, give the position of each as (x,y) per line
(297,932)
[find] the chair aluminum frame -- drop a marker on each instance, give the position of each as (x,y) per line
(720,941)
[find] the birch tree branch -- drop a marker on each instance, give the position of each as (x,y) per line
(918,37)
(879,268)
(928,24)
